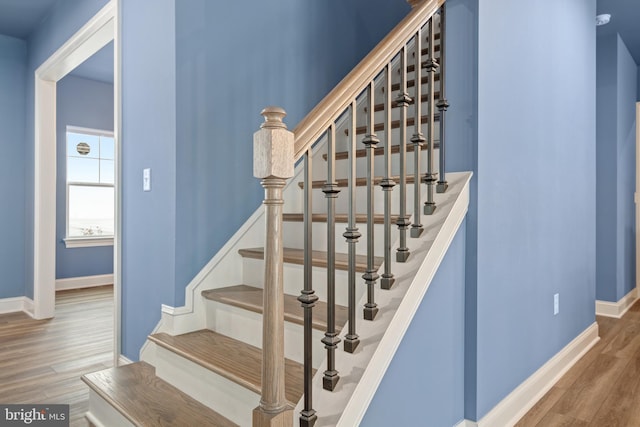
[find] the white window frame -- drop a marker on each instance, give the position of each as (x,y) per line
(92,241)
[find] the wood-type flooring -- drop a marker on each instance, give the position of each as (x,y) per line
(603,388)
(41,361)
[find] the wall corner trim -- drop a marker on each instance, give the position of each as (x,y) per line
(466,423)
(84,282)
(617,309)
(124,360)
(526,395)
(16,304)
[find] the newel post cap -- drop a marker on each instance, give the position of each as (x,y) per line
(273,146)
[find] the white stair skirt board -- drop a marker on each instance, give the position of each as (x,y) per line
(102,414)
(526,395)
(466,423)
(84,282)
(224,396)
(617,309)
(12,305)
(124,360)
(362,371)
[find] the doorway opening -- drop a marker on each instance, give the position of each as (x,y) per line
(98,32)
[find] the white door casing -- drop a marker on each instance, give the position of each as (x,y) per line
(93,36)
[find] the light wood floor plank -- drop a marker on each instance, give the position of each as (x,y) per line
(41,361)
(603,388)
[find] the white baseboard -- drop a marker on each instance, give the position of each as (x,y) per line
(84,282)
(12,305)
(466,423)
(617,309)
(123,360)
(526,395)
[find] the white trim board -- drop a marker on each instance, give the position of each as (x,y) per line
(84,282)
(93,36)
(466,423)
(526,395)
(12,305)
(617,309)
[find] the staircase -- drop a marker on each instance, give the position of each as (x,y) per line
(350,229)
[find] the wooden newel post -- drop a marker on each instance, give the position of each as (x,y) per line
(273,162)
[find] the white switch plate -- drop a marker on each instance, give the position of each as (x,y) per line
(556,304)
(146,179)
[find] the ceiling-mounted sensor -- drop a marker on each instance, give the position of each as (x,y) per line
(603,19)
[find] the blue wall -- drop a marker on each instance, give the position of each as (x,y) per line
(627,82)
(222,86)
(65,18)
(424,384)
(536,188)
(148,141)
(606,166)
(191,102)
(83,103)
(13,75)
(617,80)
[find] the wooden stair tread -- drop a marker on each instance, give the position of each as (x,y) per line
(144,399)
(235,360)
(362,181)
(340,218)
(296,256)
(250,298)
(395,124)
(379,151)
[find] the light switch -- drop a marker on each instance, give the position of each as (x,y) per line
(146,179)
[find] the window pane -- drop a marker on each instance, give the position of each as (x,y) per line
(107,171)
(107,150)
(83,170)
(91,211)
(73,139)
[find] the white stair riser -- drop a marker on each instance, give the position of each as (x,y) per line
(102,414)
(246,326)
(342,201)
(215,391)
(293,280)
(293,234)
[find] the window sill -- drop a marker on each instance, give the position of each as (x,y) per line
(87,242)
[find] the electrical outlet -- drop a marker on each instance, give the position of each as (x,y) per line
(556,304)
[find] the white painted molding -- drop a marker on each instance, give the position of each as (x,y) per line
(84,282)
(466,423)
(526,395)
(617,309)
(124,360)
(94,35)
(12,305)
(87,242)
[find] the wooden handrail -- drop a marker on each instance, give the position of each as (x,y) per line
(320,118)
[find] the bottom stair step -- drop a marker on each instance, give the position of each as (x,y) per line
(146,400)
(235,360)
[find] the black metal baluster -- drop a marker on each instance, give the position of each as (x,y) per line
(403,100)
(331,339)
(442,104)
(308,298)
(351,340)
(370,141)
(430,176)
(387,184)
(418,137)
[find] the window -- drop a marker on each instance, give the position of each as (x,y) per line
(90,191)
